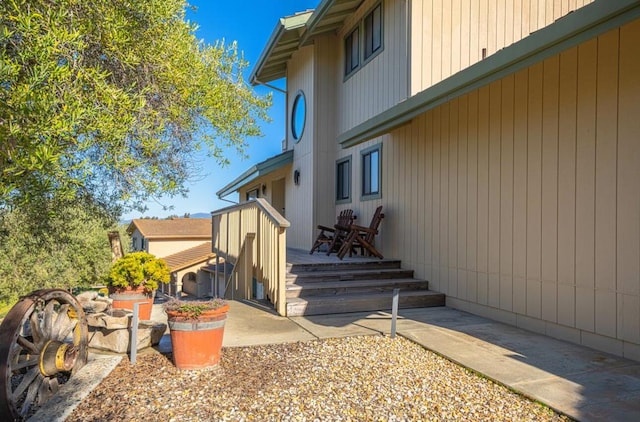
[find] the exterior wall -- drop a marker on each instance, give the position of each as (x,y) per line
(136,241)
(161,248)
(448,36)
(327,80)
(383,81)
(520,200)
(267,181)
(300,76)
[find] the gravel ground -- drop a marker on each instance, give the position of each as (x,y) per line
(372,378)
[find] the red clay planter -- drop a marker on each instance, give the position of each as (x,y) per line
(197,342)
(125,298)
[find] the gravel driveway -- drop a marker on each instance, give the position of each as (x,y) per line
(366,378)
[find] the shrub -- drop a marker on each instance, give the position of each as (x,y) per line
(139,268)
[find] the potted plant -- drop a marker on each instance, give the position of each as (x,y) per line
(197,329)
(134,279)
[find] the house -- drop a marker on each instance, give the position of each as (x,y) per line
(501,137)
(185,244)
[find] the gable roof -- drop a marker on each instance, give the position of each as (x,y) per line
(294,31)
(189,257)
(575,28)
(189,228)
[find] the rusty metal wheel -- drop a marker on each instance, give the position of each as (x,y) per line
(43,341)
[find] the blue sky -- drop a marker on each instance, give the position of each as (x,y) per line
(250,23)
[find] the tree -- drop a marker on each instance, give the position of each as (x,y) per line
(73,251)
(107,101)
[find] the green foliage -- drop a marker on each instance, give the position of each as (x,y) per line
(108,101)
(193,308)
(71,250)
(139,268)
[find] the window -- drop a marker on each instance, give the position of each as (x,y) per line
(252,194)
(370,43)
(373,32)
(371,172)
(134,243)
(142,244)
(352,51)
(298,116)
(343,180)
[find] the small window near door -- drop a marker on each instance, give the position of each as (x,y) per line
(371,172)
(343,180)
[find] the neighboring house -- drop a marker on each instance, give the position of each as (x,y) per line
(501,137)
(166,237)
(185,243)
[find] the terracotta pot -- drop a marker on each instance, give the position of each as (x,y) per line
(197,342)
(125,298)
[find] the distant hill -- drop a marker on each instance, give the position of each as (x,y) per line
(201,215)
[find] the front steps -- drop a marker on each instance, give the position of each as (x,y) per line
(330,288)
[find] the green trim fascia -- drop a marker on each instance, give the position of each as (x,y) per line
(261,169)
(317,15)
(284,24)
(571,30)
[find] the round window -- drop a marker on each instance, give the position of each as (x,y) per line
(298,116)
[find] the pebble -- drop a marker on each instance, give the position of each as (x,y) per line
(369,378)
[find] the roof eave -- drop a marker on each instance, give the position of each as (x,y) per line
(263,168)
(569,31)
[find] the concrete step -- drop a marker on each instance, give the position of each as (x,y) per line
(323,305)
(343,266)
(364,274)
(333,288)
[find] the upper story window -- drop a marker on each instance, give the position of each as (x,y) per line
(352,51)
(369,43)
(343,180)
(371,172)
(373,32)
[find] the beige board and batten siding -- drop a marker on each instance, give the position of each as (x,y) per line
(300,76)
(328,78)
(449,36)
(383,81)
(520,200)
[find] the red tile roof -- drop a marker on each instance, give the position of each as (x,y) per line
(198,228)
(189,257)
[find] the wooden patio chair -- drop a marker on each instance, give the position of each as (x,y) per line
(334,236)
(363,238)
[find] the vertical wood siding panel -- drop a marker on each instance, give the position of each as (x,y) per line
(500,23)
(526,18)
(483,27)
(435,226)
(421,243)
(533,16)
(549,257)
(465,40)
(483,194)
(585,186)
(567,187)
(517,20)
(437,37)
(534,192)
(418,45)
(492,31)
(508,21)
(427,34)
(452,238)
(472,199)
(506,194)
(447,47)
(444,196)
(606,157)
(475,50)
(463,290)
(628,210)
(430,210)
(456,36)
(495,108)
